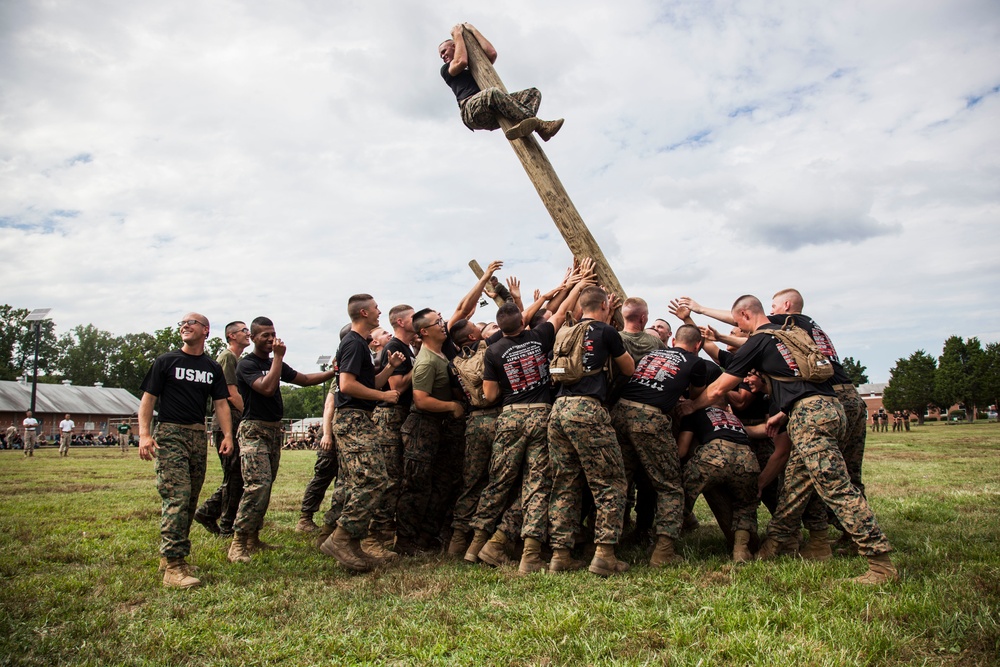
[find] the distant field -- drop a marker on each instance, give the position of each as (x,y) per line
(78,559)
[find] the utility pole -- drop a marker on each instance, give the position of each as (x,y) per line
(568,221)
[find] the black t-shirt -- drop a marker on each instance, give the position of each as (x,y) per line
(184,383)
(663,376)
(353,357)
(770,356)
(396,345)
(822,341)
(599,343)
(257,406)
(520,364)
(714,423)
(463,85)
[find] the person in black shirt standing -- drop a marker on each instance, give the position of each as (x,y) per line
(258,378)
(180,384)
(481,108)
(362,476)
(816,424)
(644,428)
(582,444)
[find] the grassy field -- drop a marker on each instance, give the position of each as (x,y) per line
(78,560)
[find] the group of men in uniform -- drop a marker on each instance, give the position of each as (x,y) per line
(469,444)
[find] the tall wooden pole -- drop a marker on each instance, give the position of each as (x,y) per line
(568,221)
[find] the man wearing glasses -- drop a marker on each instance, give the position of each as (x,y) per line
(179,384)
(226,499)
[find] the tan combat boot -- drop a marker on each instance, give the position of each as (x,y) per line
(741,546)
(325,531)
(562,561)
(479,540)
(238,552)
(818,546)
(880,571)
(459,543)
(771,549)
(372,547)
(663,553)
(522,129)
(255,544)
(494,552)
(338,545)
(548,128)
(306,524)
(531,557)
(176,575)
(605,563)
(188,567)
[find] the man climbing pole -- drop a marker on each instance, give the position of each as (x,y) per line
(480,108)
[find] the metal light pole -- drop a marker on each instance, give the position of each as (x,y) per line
(37,316)
(324,364)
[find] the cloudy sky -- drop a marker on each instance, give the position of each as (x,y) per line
(273,158)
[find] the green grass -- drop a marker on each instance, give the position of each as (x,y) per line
(78,582)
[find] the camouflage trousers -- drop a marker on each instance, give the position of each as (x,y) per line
(361,479)
(480,111)
(645,435)
(260,455)
(816,427)
(480,431)
(582,447)
(853,446)
(731,470)
(519,469)
(433,447)
(30,440)
(223,505)
(324,472)
(817,516)
(181,458)
(389,421)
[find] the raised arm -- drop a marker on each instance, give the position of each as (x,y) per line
(714,313)
(467,306)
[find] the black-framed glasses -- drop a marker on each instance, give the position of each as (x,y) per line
(191,323)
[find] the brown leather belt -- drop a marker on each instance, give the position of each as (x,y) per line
(192,427)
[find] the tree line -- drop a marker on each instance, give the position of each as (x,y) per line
(84,355)
(966,374)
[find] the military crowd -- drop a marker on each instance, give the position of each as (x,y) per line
(535,440)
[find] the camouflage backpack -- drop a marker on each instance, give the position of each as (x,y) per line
(567,354)
(813,365)
(469,367)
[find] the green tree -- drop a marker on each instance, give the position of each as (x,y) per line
(302,402)
(17,344)
(856,370)
(991,373)
(213,346)
(960,375)
(911,385)
(86,354)
(131,358)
